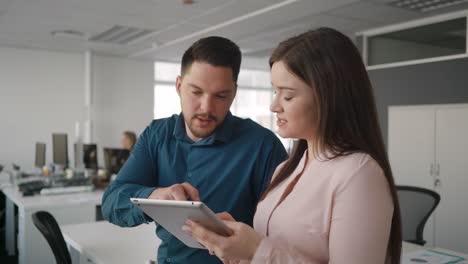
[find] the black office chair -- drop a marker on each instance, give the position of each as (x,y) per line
(47,225)
(416,205)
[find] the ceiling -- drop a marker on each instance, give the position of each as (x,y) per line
(256,25)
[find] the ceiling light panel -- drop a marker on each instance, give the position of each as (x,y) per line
(121,35)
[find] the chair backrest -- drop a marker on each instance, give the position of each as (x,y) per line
(49,228)
(416,206)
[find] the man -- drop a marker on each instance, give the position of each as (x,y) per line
(205,153)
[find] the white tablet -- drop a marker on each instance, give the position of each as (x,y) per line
(172,216)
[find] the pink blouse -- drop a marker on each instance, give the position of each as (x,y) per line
(340,211)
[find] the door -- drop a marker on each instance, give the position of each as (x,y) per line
(452,158)
(411,143)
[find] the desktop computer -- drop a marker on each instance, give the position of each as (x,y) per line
(90,159)
(39,160)
(60,150)
(58,183)
(115,158)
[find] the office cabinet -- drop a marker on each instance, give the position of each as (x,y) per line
(428,147)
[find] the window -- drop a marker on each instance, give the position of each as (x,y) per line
(421,41)
(253,104)
(166,100)
(253,98)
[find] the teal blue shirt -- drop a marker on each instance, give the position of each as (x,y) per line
(230,169)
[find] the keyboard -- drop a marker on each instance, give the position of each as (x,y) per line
(66,190)
(32,187)
(62,182)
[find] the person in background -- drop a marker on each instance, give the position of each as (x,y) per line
(128,140)
(203,154)
(334,199)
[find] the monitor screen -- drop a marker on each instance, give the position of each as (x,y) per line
(60,149)
(39,161)
(89,156)
(115,158)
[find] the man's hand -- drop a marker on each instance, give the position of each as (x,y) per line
(179,192)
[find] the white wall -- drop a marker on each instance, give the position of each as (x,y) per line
(123,99)
(42,92)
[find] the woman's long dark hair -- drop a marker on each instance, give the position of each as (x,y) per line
(345,112)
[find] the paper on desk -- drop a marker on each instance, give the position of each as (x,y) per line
(428,256)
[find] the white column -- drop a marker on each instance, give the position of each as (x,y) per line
(89,87)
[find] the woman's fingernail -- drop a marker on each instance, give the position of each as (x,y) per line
(187,230)
(189,222)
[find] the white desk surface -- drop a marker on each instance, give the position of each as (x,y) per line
(46,201)
(4,180)
(408,247)
(105,243)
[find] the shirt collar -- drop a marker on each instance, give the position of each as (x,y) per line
(179,128)
(223,133)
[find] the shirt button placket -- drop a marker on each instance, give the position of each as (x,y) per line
(189,163)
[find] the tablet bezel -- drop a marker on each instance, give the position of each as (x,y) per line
(172,215)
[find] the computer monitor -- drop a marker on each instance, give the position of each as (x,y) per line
(89,156)
(60,149)
(115,158)
(39,160)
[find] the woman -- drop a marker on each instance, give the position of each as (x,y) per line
(128,140)
(334,199)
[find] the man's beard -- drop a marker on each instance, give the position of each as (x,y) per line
(201,133)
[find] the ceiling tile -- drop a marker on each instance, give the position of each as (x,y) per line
(231,10)
(374,12)
(382,1)
(4,6)
(175,31)
(276,18)
(28,23)
(253,46)
(273,36)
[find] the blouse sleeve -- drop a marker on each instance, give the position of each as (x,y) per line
(361,217)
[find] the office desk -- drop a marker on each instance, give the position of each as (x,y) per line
(66,208)
(104,243)
(408,247)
